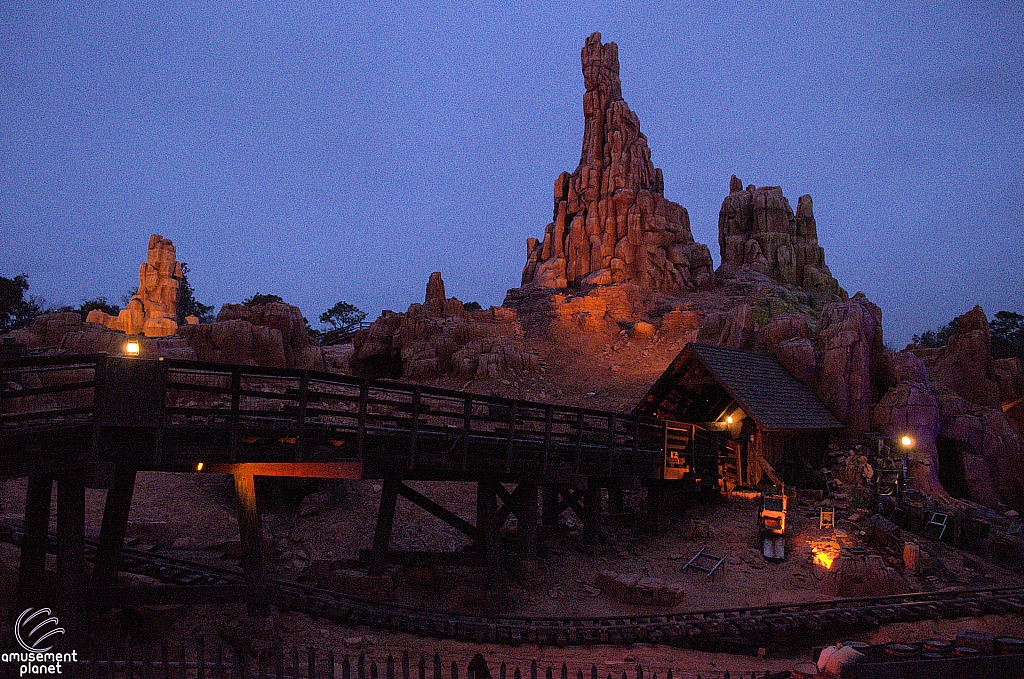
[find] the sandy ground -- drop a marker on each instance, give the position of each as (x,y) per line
(192,516)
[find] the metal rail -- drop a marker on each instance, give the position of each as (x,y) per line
(683,628)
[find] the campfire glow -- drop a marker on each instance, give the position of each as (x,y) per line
(822,558)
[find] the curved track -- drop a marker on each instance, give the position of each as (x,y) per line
(686,628)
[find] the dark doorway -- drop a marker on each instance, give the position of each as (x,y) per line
(951,468)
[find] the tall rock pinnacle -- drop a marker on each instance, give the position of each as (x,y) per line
(758,231)
(612,223)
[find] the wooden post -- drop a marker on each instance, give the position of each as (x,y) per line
(364,395)
(33,545)
(301,424)
(486,512)
(591,514)
(655,500)
(526,514)
(416,400)
(236,387)
(549,501)
(616,505)
(467,427)
(70,551)
(385,521)
(250,529)
(115,524)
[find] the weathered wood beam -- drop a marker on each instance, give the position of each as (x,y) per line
(385,522)
(433,508)
(309,470)
(527,517)
(250,529)
(71,551)
(115,524)
(38,498)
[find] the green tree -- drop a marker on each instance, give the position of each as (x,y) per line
(15,310)
(343,317)
(258,299)
(1007,332)
(472,306)
(931,339)
(100,303)
(188,305)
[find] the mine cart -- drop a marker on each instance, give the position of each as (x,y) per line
(772,522)
(890,479)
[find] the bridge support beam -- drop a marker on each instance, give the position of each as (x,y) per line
(115,524)
(71,551)
(250,529)
(487,523)
(549,501)
(31,571)
(591,515)
(385,522)
(526,514)
(653,511)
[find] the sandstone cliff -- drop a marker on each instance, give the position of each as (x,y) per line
(758,231)
(439,337)
(612,222)
(153,310)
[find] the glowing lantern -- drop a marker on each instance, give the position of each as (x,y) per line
(729,419)
(199,467)
(131,347)
(907,441)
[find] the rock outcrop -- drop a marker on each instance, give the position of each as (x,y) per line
(439,337)
(758,231)
(965,365)
(612,223)
(153,310)
(270,335)
(850,370)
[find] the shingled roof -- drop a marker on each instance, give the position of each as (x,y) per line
(757,382)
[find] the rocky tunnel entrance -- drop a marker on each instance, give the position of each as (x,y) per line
(952,473)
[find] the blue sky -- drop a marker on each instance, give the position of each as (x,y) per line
(344,151)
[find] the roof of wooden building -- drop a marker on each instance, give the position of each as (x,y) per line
(757,383)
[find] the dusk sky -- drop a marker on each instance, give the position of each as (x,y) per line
(327,151)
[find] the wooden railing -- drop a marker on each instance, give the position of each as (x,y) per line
(233,413)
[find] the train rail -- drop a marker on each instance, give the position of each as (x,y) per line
(689,628)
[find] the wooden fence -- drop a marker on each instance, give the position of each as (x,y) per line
(197,660)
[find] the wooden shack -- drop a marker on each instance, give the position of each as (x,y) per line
(780,424)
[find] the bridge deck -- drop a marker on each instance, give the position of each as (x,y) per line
(171,415)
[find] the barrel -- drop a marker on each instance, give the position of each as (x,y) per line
(900,651)
(804,670)
(937,646)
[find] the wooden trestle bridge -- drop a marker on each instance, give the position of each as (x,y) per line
(77,419)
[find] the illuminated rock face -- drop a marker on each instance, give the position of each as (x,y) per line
(758,231)
(153,309)
(612,223)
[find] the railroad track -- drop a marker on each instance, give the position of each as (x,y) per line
(692,628)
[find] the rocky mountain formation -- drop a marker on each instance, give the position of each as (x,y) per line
(758,231)
(439,337)
(618,265)
(612,222)
(152,311)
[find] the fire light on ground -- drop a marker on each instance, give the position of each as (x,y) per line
(824,552)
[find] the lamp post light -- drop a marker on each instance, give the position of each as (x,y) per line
(907,441)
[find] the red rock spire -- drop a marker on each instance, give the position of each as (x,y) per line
(611,222)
